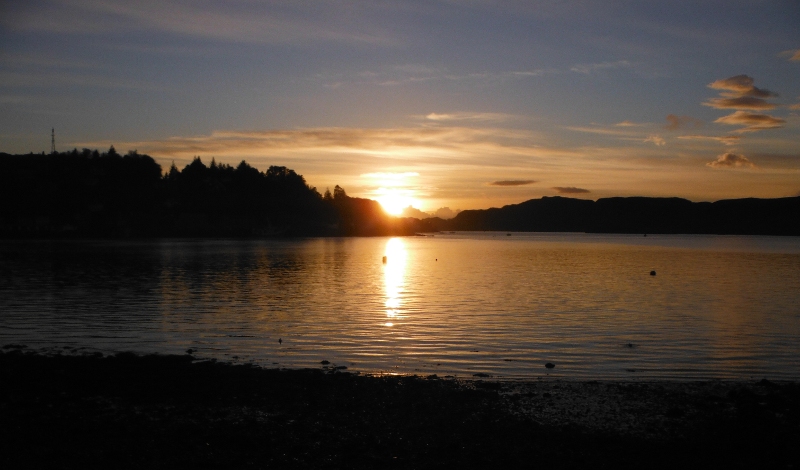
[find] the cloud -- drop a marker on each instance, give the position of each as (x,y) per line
(628,124)
(603,130)
(246,22)
(570,190)
(467,117)
(678,122)
(741,102)
(390,176)
(656,139)
(528,73)
(740,86)
(725,139)
(752,122)
(793,55)
(512,182)
(731,160)
(739,93)
(589,68)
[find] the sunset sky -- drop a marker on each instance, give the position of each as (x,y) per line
(462,104)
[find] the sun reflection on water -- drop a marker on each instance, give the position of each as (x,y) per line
(394,278)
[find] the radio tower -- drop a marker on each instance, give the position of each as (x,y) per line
(53,140)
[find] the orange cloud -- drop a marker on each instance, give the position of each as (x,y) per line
(677,122)
(512,182)
(731,160)
(570,190)
(739,86)
(751,121)
(793,54)
(741,102)
(725,139)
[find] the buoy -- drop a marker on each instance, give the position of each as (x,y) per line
(652,273)
(384,260)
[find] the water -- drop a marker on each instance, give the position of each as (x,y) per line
(452,304)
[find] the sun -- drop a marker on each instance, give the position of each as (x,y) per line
(394,192)
(394,203)
(394,200)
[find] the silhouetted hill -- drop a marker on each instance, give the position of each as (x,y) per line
(93,194)
(639,215)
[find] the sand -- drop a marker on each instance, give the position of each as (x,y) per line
(128,411)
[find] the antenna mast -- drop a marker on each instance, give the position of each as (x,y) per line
(53,140)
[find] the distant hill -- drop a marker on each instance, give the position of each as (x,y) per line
(91,194)
(639,215)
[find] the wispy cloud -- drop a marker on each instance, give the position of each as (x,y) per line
(363,150)
(731,160)
(390,175)
(512,182)
(741,102)
(479,117)
(591,68)
(793,55)
(629,124)
(725,139)
(247,22)
(656,139)
(679,122)
(530,73)
(570,190)
(411,74)
(603,130)
(752,122)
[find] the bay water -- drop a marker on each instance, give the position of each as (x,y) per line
(462,304)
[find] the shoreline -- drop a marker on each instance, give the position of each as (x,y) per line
(130,411)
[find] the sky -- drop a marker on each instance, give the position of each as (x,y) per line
(465,104)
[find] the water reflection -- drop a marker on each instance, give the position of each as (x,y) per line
(394,278)
(498,305)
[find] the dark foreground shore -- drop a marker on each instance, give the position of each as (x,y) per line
(128,411)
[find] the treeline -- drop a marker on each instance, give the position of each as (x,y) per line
(639,215)
(91,194)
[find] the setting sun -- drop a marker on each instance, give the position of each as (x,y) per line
(394,202)
(394,191)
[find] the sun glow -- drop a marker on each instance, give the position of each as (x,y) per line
(394,200)
(394,190)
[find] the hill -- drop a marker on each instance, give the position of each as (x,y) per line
(639,215)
